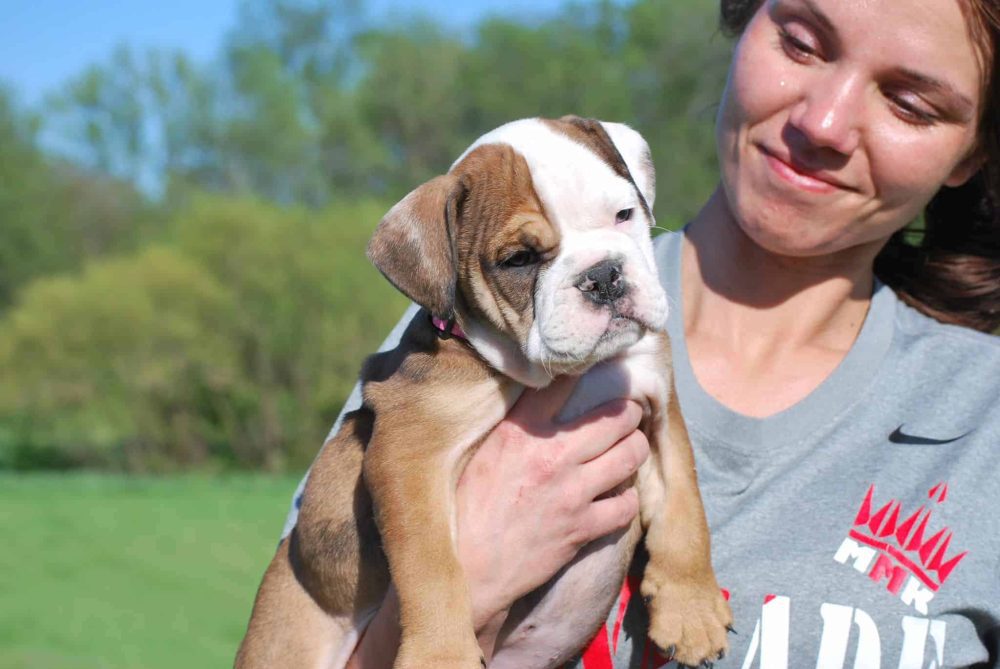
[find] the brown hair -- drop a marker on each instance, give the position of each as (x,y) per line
(948,268)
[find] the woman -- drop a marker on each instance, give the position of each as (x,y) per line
(845,441)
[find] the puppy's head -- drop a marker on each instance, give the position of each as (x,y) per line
(537,241)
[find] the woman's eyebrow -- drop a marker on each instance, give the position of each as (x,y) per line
(817,14)
(810,8)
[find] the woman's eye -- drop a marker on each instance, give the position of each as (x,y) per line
(796,46)
(623,215)
(910,111)
(521,258)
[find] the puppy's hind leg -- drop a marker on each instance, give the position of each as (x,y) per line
(329,575)
(288,629)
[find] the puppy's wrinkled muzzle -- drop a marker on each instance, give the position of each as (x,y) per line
(603,283)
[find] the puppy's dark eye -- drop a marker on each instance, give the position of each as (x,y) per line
(521,258)
(623,215)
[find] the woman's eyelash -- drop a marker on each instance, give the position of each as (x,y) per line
(909,112)
(790,42)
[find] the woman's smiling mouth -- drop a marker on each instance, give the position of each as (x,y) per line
(805,179)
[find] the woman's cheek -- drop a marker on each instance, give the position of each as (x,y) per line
(908,165)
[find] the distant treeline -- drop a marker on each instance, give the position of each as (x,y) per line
(182,279)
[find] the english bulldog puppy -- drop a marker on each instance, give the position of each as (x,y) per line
(531,258)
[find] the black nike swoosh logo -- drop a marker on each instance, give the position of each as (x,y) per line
(900,437)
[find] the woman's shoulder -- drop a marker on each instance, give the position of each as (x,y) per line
(917,329)
(943,371)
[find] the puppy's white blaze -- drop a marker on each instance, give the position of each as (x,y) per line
(635,152)
(581,195)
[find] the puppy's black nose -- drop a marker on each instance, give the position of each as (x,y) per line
(603,283)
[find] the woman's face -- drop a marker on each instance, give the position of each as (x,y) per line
(842,118)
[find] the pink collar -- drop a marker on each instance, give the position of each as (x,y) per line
(447,329)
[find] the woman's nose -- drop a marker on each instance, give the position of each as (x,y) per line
(830,113)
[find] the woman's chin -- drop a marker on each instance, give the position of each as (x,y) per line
(786,239)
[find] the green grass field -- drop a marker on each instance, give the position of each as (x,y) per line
(132,573)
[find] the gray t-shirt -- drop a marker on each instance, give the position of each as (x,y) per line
(859,527)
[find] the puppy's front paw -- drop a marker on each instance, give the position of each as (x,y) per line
(688,620)
(439,658)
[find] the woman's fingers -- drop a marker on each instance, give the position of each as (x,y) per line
(614,466)
(609,514)
(601,428)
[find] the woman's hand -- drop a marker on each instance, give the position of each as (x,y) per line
(526,501)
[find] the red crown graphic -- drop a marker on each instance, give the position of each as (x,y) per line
(927,559)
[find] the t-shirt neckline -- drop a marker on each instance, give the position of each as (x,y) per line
(842,388)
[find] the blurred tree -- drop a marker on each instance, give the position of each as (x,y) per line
(114,368)
(104,118)
(311,308)
(570,64)
(310,102)
(28,244)
(290,133)
(412,97)
(55,214)
(236,344)
(269,142)
(676,62)
(183,118)
(153,119)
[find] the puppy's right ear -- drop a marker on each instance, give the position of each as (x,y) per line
(413,247)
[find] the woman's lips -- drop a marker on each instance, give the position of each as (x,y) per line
(809,181)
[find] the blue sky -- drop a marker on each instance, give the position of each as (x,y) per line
(43,42)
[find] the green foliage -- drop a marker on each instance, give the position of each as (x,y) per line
(112,367)
(413,98)
(109,114)
(572,64)
(311,308)
(55,215)
(25,241)
(236,344)
(677,61)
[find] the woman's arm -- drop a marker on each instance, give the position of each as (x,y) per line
(526,504)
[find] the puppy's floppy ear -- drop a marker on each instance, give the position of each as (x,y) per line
(413,245)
